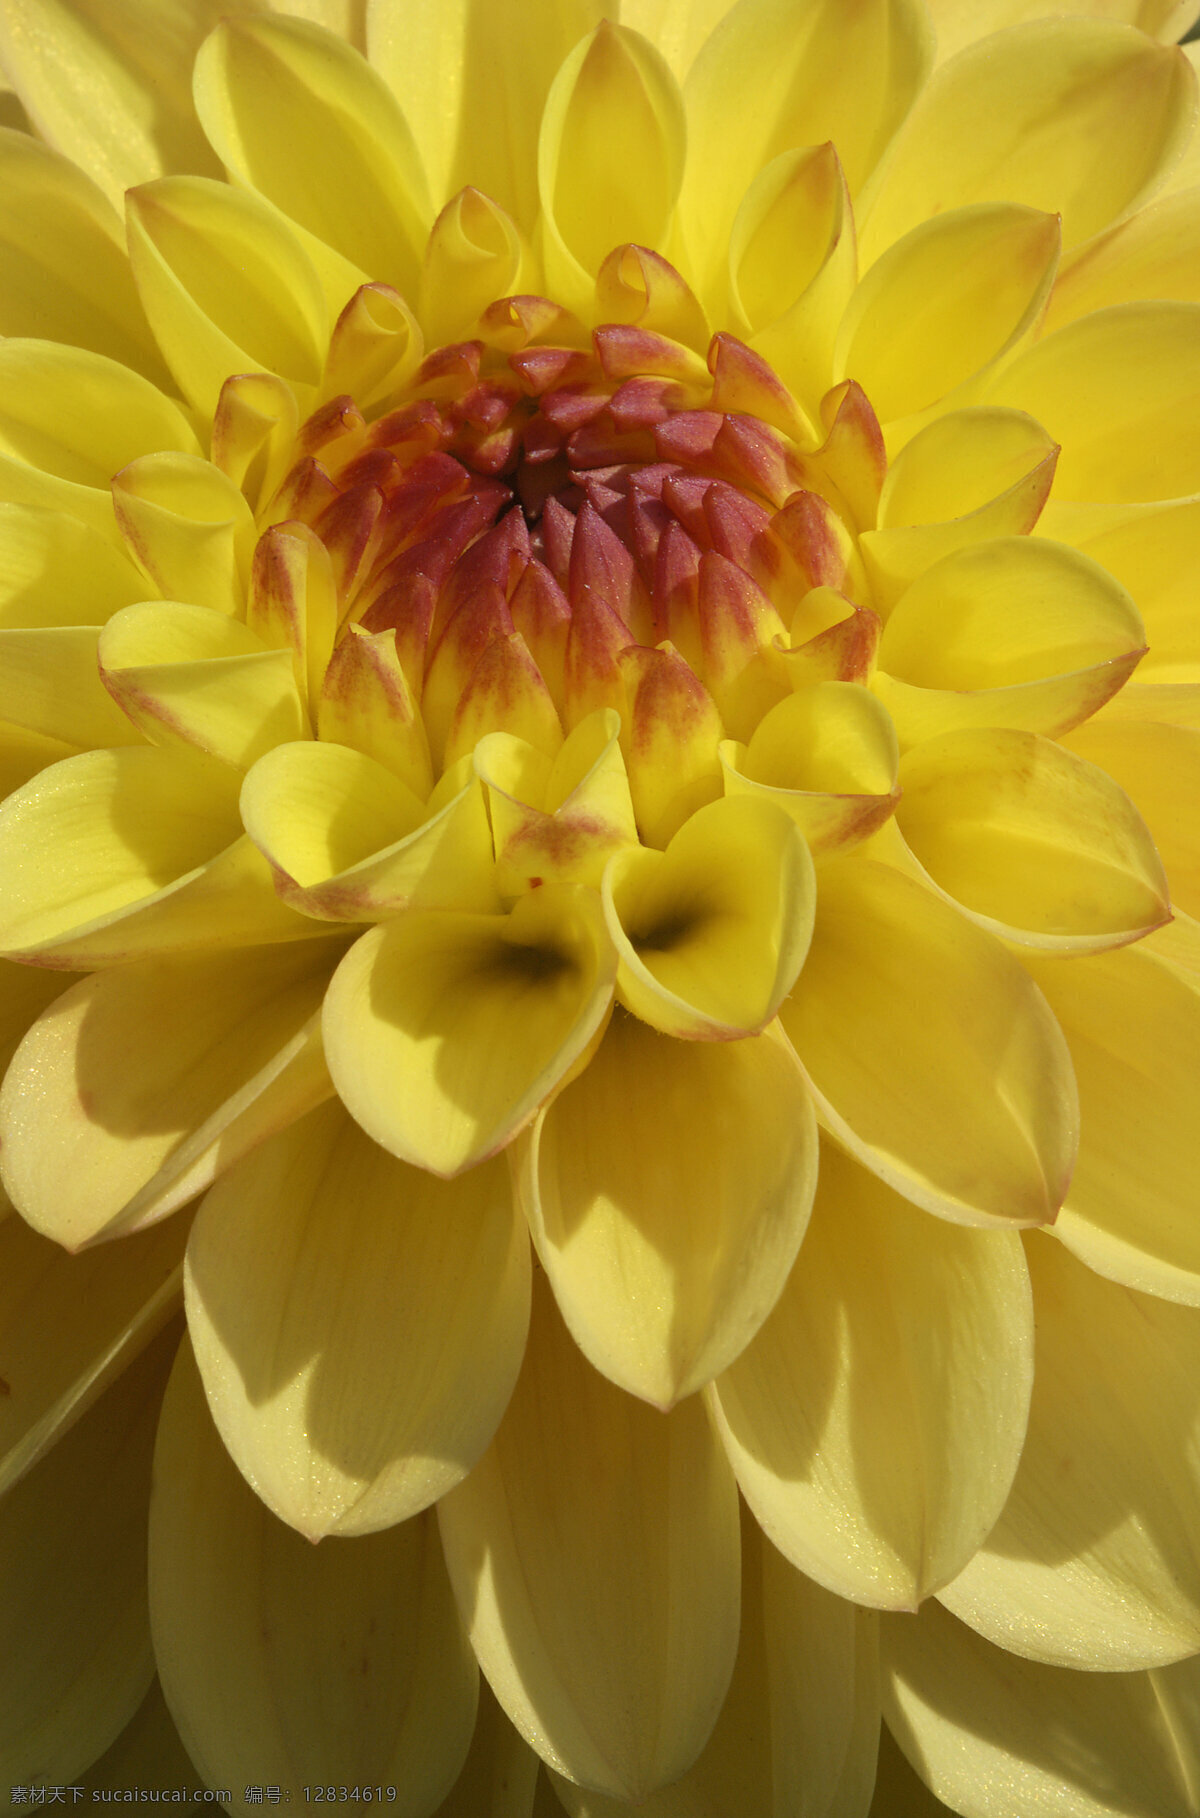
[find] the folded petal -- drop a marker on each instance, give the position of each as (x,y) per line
(1146,548)
(1095,1561)
(668,1188)
(189,527)
(111,1082)
(288,1664)
(1077,117)
(853,1419)
(1132,1022)
(993,1734)
(76,1658)
(358,1324)
(933,1057)
(49,684)
(444,1031)
(594,1554)
(56,570)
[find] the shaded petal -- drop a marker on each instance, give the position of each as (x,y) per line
(354,1383)
(147,1753)
(444,1032)
(294,113)
(69,1325)
(55,570)
(49,684)
(500,1775)
(1159,766)
(796,1737)
(1156,254)
(993,1734)
(1077,117)
(1132,1021)
(1117,389)
(111,1082)
(594,1554)
(932,1056)
(853,1419)
(668,1188)
(1147,547)
(1095,1561)
(287,1664)
(960,22)
(76,1659)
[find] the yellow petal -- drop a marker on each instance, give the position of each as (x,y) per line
(190,676)
(1094,1562)
(1159,766)
(226,286)
(349,841)
(188,526)
(49,684)
(69,1325)
(994,1734)
(125,1066)
(853,1420)
(933,1058)
(668,1188)
(1146,549)
(69,420)
(945,302)
(1156,254)
(1040,847)
(562,819)
(967,477)
(116,854)
(1117,389)
(600,1598)
(55,570)
(712,932)
(66,276)
(354,1383)
(147,1753)
(773,76)
(473,82)
(613,87)
(444,1032)
(474,255)
(1014,631)
(796,1737)
(1132,1021)
(375,347)
(500,1775)
(296,115)
(366,702)
(1076,117)
(76,1661)
(959,22)
(827,757)
(286,1664)
(111,87)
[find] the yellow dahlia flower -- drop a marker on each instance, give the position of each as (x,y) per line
(600,710)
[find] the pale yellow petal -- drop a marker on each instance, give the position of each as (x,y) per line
(147,1753)
(444,1032)
(55,570)
(293,1665)
(126,1066)
(501,1773)
(853,1420)
(76,1659)
(1132,1021)
(50,684)
(1156,254)
(69,420)
(295,114)
(678,27)
(594,1554)
(1159,766)
(993,1734)
(1077,117)
(1095,1561)
(933,1057)
(1118,390)
(69,1325)
(960,22)
(668,1189)
(358,1324)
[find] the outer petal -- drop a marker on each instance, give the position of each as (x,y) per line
(69,1325)
(288,1664)
(1117,390)
(49,685)
(1095,1561)
(358,1324)
(594,1554)
(444,1032)
(76,1659)
(56,570)
(1155,254)
(993,1734)
(1160,768)
(501,1773)
(109,1085)
(1077,117)
(960,22)
(1132,1021)
(1147,547)
(668,1188)
(796,1737)
(853,1420)
(932,1056)
(147,1753)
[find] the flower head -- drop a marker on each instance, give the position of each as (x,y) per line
(597,681)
